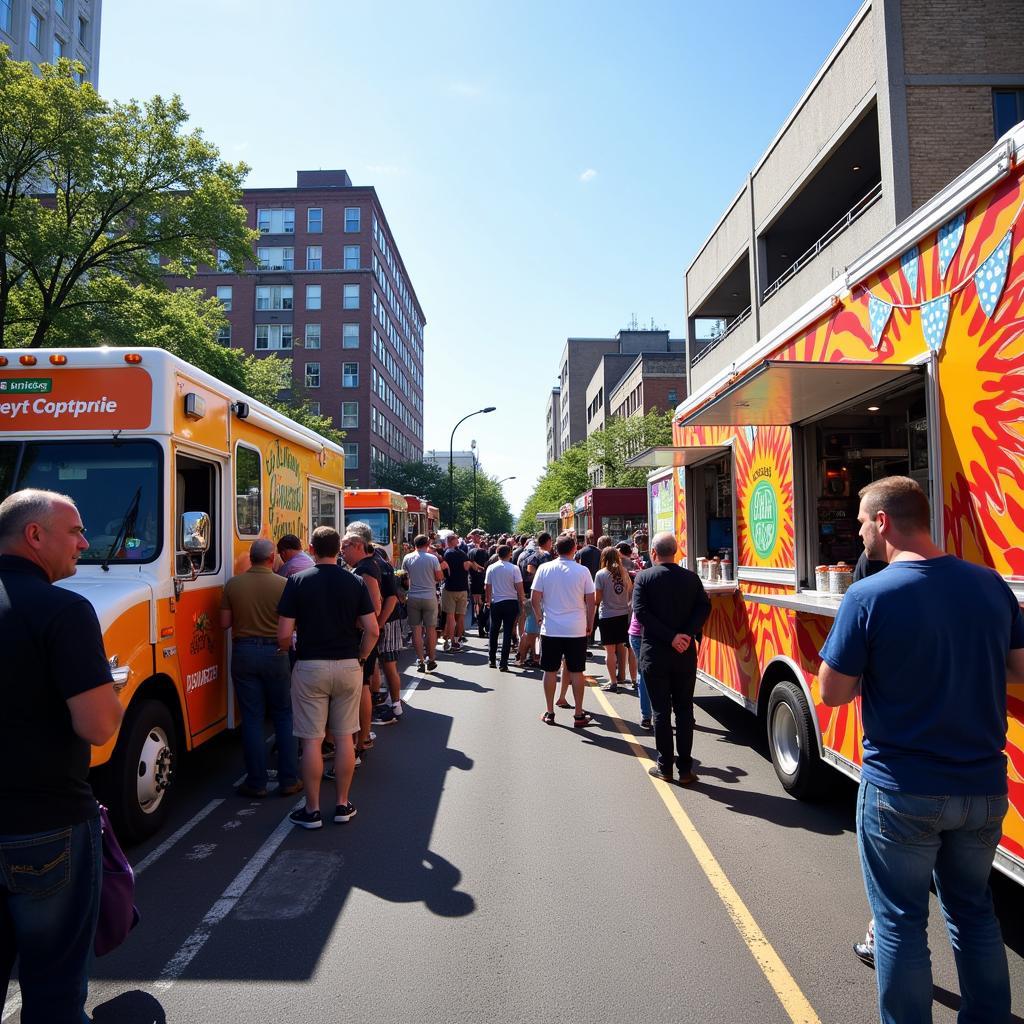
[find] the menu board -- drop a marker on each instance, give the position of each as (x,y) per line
(662,501)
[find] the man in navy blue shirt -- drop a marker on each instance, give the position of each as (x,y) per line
(929,644)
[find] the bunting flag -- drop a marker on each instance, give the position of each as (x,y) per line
(878,315)
(908,264)
(950,236)
(990,277)
(934,318)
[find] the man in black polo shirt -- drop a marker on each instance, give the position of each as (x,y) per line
(455,595)
(337,628)
(479,558)
(56,698)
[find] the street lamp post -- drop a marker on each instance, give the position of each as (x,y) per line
(503,479)
(473,449)
(451,464)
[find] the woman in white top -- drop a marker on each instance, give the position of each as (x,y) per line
(613,597)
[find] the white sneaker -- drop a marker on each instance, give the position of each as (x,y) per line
(396,709)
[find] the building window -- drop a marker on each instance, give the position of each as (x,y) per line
(315,220)
(224,297)
(5,15)
(314,257)
(351,257)
(35,29)
(276,222)
(350,296)
(58,6)
(1007,109)
(350,414)
(314,408)
(312,336)
(351,454)
(223,260)
(58,48)
(673,397)
(276,258)
(350,375)
(312,375)
(248,491)
(351,218)
(273,336)
(224,336)
(274,296)
(312,296)
(83,31)
(350,335)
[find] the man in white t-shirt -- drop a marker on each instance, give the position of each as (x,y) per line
(562,597)
(503,595)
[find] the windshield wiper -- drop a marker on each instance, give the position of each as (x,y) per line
(124,530)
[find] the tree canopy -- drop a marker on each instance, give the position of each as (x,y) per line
(99,201)
(569,476)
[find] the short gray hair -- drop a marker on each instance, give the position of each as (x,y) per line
(360,529)
(30,505)
(664,545)
(261,551)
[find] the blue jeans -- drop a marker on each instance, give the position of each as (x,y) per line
(905,840)
(263,683)
(49,904)
(641,685)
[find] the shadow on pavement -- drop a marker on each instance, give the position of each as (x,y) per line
(133,1007)
(778,810)
(944,997)
(299,897)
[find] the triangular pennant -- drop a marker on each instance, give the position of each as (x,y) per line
(950,236)
(878,316)
(934,318)
(908,264)
(990,277)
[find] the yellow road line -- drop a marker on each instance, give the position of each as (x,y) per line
(793,1001)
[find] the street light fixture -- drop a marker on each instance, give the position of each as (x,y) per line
(451,464)
(503,479)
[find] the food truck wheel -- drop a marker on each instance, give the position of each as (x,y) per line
(793,743)
(142,769)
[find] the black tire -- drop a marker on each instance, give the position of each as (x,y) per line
(142,770)
(793,743)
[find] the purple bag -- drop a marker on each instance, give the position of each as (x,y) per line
(118,913)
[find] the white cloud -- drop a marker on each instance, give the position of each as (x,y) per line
(588,175)
(467,90)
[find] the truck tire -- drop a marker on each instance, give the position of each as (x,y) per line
(142,769)
(793,743)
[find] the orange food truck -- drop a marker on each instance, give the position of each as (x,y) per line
(908,364)
(433,520)
(387,515)
(174,474)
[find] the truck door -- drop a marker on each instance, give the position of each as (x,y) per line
(200,640)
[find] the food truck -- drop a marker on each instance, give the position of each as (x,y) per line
(613,511)
(566,517)
(387,514)
(433,519)
(175,474)
(417,521)
(909,363)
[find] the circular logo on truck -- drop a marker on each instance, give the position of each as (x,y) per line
(763,518)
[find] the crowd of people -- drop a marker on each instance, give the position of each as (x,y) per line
(315,642)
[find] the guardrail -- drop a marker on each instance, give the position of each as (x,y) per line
(740,318)
(857,210)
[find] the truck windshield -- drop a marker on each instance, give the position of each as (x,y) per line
(377,519)
(115,484)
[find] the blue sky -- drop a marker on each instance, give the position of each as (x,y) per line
(548,169)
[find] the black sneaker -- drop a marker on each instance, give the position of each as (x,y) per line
(865,953)
(344,812)
(383,715)
(306,819)
(420,666)
(492,664)
(431,665)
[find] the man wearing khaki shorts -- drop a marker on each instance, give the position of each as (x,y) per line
(331,610)
(455,595)
(424,572)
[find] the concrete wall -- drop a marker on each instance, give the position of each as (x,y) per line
(727,351)
(730,241)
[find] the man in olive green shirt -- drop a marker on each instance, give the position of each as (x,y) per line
(260,671)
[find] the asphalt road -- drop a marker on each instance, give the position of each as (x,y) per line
(501,870)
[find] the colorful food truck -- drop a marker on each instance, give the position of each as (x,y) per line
(387,514)
(910,364)
(174,475)
(616,512)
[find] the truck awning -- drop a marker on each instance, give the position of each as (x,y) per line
(666,456)
(781,393)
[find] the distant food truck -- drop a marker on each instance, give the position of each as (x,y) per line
(433,521)
(417,522)
(174,474)
(910,363)
(387,514)
(616,512)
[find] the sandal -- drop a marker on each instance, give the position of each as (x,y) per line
(582,721)
(549,718)
(563,704)
(610,688)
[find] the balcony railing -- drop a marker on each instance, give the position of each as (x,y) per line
(740,318)
(858,209)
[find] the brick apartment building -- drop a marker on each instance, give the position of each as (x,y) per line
(330,291)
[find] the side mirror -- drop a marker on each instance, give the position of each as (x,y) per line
(195,533)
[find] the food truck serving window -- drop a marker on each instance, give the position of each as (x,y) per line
(115,484)
(248,491)
(710,493)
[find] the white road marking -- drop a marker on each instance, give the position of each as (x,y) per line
(172,839)
(228,825)
(177,965)
(13,1004)
(201,851)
